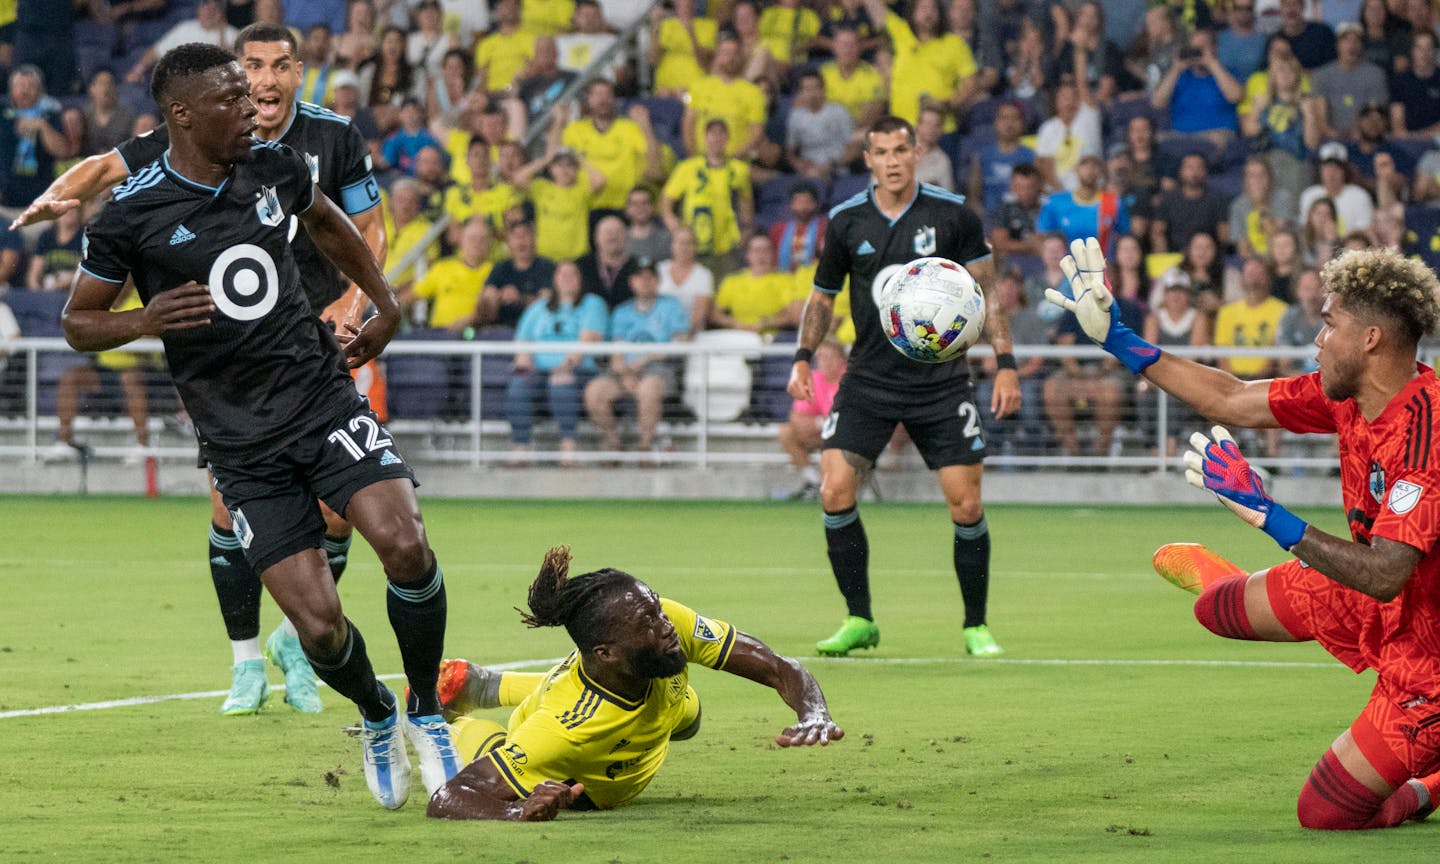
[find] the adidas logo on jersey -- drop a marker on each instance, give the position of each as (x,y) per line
(181,235)
(389,458)
(865,248)
(220,561)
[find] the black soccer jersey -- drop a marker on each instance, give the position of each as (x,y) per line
(339,164)
(867,246)
(266,370)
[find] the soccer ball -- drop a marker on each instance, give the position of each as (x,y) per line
(932,310)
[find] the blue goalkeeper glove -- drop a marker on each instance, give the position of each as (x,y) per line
(1093,307)
(1218,466)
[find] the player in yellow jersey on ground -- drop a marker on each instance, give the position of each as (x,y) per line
(592,732)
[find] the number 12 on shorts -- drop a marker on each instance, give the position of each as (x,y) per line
(375,439)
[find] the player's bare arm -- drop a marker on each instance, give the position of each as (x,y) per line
(479,792)
(1215,393)
(84,180)
(337,237)
(1005,399)
(1378,570)
(750,658)
(90,325)
(814,325)
(347,309)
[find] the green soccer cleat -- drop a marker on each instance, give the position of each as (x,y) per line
(248,689)
(854,632)
(979,642)
(301,693)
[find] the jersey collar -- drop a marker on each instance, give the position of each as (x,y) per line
(875,202)
(186,181)
(620,701)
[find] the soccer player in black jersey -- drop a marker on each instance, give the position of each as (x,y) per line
(870,236)
(204,233)
(340,165)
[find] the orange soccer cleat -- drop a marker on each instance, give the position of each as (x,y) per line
(1191,567)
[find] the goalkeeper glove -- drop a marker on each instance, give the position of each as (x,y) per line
(1218,466)
(1093,307)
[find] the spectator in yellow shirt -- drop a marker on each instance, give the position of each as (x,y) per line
(930,66)
(680,47)
(561,202)
(546,17)
(479,197)
(500,56)
(405,228)
(714,198)
(623,149)
(453,285)
(724,95)
(757,298)
(852,83)
(1252,320)
(787,29)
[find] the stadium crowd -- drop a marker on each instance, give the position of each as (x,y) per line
(628,171)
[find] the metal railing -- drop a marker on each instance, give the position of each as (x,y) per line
(706,436)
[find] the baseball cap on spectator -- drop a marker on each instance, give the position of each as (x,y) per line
(344,78)
(1334,152)
(1348,27)
(1175,278)
(566,154)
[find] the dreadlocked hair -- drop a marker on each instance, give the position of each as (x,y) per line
(556,600)
(181,63)
(1384,282)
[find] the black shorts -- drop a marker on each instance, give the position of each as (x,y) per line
(272,500)
(945,425)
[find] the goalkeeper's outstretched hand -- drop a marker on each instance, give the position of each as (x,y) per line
(1085,268)
(1218,466)
(1094,306)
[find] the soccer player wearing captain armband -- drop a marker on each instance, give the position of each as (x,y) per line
(1372,601)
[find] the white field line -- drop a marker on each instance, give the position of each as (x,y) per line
(876,661)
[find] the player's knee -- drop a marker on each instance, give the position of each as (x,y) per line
(406,557)
(835,497)
(320,626)
(1319,812)
(966,511)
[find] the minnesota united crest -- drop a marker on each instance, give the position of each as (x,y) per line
(925,241)
(267,207)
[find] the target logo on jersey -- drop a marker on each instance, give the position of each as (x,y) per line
(244,282)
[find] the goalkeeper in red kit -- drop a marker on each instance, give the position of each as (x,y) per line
(1372,601)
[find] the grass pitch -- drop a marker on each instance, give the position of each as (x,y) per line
(1115,729)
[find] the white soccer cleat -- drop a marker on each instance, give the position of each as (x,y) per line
(435,748)
(387,767)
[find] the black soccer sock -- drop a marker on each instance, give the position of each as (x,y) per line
(417,615)
(972,568)
(850,559)
(337,554)
(349,673)
(236,585)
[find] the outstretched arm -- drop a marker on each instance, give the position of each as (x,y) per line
(340,240)
(83,181)
(753,659)
(479,792)
(814,327)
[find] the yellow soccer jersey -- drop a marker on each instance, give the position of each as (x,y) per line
(462,202)
(118,360)
(546,17)
(707,201)
(562,219)
(403,241)
(572,729)
(739,103)
(457,145)
(785,37)
(863,87)
(749,298)
(618,153)
(453,289)
(504,56)
(678,67)
(844,324)
(928,70)
(1242,324)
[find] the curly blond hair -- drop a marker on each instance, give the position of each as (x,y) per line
(1384,282)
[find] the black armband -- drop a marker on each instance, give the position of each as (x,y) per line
(1005,360)
(803,355)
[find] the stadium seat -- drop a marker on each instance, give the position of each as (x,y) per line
(1122,111)
(1229,182)
(1030,266)
(1177,146)
(728,392)
(779,117)
(94,45)
(845,186)
(772,199)
(37,312)
(667,118)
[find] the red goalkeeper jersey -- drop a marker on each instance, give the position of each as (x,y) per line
(1390,481)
